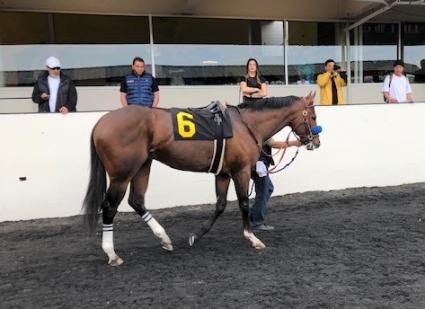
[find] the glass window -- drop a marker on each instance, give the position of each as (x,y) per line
(100,29)
(413,38)
(24,28)
(310,44)
(373,51)
(203,51)
(119,39)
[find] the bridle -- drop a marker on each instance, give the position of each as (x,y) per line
(312,131)
(308,141)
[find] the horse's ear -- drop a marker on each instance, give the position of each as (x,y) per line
(309,98)
(312,96)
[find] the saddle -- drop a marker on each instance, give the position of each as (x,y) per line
(206,123)
(211,122)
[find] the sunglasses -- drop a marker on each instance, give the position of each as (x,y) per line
(55,68)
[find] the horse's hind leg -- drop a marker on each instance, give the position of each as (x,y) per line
(221,188)
(241,181)
(136,200)
(113,197)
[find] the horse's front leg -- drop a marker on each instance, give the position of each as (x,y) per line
(241,180)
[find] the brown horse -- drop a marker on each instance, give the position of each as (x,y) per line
(124,143)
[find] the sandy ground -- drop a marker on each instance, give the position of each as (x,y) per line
(354,248)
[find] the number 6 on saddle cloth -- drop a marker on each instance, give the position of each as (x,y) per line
(210,123)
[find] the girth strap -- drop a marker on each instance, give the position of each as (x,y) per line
(218,156)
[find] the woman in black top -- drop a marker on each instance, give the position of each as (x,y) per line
(253,85)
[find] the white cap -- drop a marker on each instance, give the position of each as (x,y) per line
(53,62)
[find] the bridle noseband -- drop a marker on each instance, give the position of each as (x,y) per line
(312,131)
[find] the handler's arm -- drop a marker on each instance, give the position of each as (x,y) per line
(283,144)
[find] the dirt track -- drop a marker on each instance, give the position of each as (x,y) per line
(357,248)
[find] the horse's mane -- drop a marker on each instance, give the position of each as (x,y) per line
(272,102)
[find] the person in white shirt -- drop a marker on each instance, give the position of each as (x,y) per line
(54,91)
(396,86)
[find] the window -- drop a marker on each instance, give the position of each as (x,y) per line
(70,37)
(414,50)
(100,29)
(203,51)
(310,45)
(373,51)
(24,28)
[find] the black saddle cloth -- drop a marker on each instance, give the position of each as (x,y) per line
(207,123)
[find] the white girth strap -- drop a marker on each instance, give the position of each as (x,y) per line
(213,156)
(221,154)
(220,166)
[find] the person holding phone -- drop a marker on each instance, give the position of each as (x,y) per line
(54,91)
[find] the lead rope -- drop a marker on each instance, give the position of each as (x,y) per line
(282,155)
(274,170)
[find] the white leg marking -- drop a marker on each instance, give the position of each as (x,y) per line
(158,231)
(256,243)
(108,245)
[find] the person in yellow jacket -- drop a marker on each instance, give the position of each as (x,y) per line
(331,83)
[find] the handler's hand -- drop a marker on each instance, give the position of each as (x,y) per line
(280,144)
(294,143)
(64,110)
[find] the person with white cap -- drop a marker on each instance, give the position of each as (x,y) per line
(54,91)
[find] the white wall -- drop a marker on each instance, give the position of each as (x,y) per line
(361,146)
(107,98)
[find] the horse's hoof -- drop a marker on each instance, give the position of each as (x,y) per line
(259,246)
(192,239)
(116,262)
(168,247)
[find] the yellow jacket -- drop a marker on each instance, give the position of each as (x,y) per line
(325,83)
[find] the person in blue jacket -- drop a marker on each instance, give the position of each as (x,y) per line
(139,87)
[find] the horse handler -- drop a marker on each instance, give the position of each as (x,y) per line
(263,184)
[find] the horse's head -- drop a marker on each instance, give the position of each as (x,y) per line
(304,123)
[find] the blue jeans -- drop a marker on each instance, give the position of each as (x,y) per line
(263,191)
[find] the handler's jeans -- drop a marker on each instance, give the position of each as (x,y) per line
(263,192)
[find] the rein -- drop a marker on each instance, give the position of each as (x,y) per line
(275,168)
(251,132)
(311,135)
(312,132)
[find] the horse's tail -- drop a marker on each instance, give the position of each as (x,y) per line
(95,190)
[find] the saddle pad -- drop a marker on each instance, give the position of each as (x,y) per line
(200,124)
